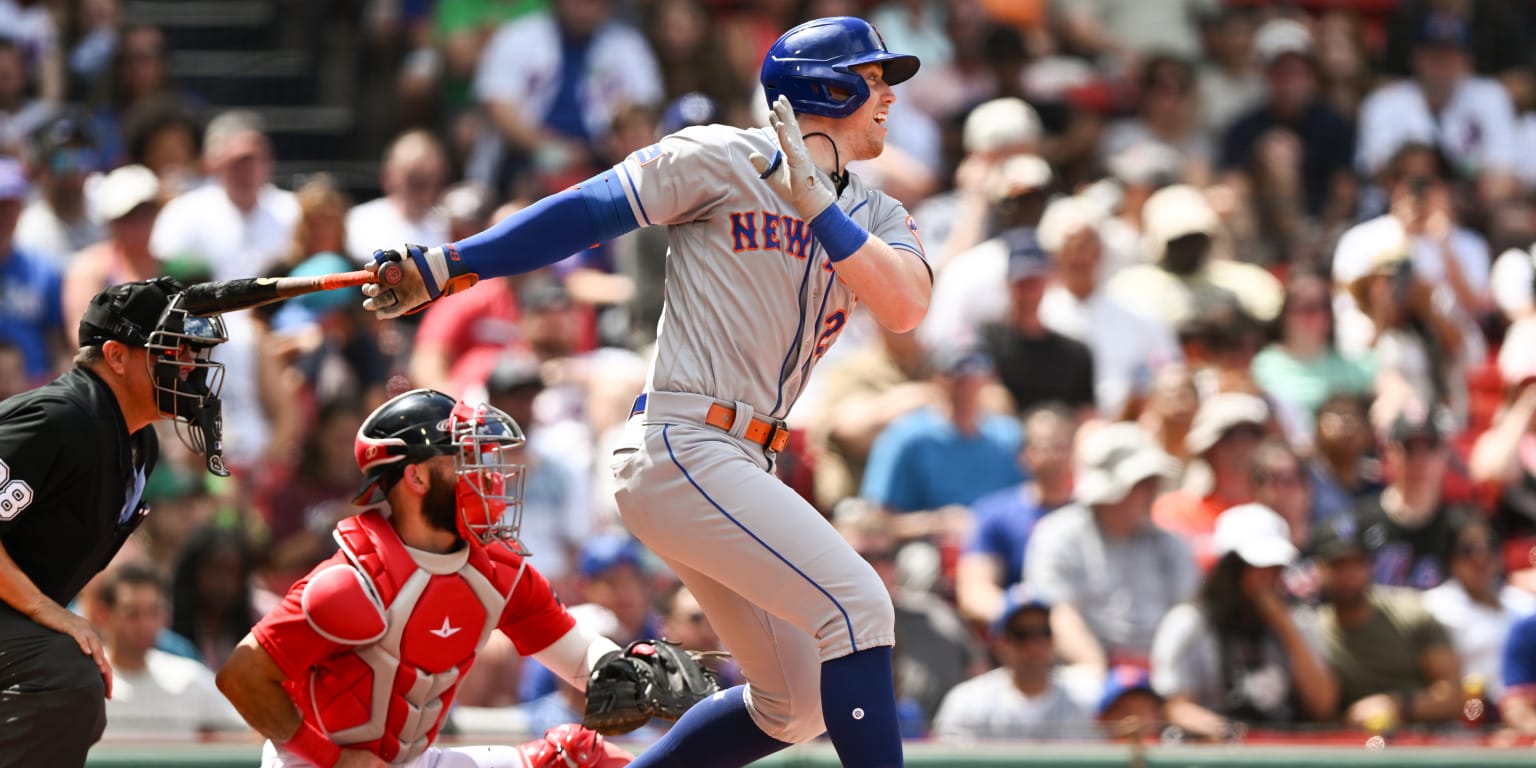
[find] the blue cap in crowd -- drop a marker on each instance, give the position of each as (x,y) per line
(603,553)
(1123,680)
(1445,29)
(1026,258)
(1019,598)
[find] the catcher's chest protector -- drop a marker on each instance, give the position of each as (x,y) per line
(388,695)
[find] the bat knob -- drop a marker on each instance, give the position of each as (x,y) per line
(391,274)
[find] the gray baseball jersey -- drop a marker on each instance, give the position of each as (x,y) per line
(751,301)
(751,304)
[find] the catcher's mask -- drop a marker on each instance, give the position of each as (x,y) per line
(187,379)
(423,423)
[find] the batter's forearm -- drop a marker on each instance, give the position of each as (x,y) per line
(894,283)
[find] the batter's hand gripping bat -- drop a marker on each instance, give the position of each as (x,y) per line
(231,295)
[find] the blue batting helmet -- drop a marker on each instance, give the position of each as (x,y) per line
(817,56)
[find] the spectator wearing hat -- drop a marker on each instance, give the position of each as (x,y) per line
(1020,699)
(1229,79)
(1237,653)
(1505,455)
(1167,111)
(1292,154)
(1479,604)
(1184,276)
(1127,347)
(31,304)
(993,132)
(128,200)
(935,650)
(1130,708)
(1394,661)
(1226,431)
(1135,174)
(942,457)
(1409,528)
(993,558)
(1013,194)
(1024,346)
(56,224)
(1110,571)
(413,177)
(1471,119)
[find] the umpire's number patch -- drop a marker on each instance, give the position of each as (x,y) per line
(15,495)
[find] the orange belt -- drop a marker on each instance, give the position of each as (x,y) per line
(772,435)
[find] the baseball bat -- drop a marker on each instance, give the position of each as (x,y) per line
(231,295)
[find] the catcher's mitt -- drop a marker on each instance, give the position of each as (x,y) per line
(650,678)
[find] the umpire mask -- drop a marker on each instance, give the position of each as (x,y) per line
(187,380)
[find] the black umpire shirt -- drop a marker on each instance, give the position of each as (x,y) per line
(71,481)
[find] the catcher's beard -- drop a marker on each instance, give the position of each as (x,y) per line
(440,503)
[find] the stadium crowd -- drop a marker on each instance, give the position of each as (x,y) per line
(1222,420)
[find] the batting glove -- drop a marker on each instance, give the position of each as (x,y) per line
(409,278)
(790,170)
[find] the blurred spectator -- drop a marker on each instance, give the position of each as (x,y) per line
(459,341)
(938,459)
(1279,484)
(128,200)
(1302,367)
(1409,528)
(1342,471)
(1423,224)
(1237,652)
(1169,412)
(981,48)
(1019,699)
(1135,174)
(992,198)
(413,177)
(136,79)
(1226,431)
(1123,30)
(861,394)
(993,559)
(993,132)
(1296,150)
(1184,276)
(1110,572)
(1167,111)
(20,114)
(1505,455)
(153,693)
(1127,347)
(30,24)
(557,507)
(1470,119)
(211,601)
(164,138)
(31,288)
(240,225)
(1023,346)
(681,34)
(1219,344)
(551,81)
(1417,349)
(94,41)
(1394,662)
(1517,707)
(1130,708)
(322,347)
(1513,283)
(1229,80)
(303,511)
(1497,33)
(934,649)
(1477,603)
(13,369)
(55,224)
(683,622)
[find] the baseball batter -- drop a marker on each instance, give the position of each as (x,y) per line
(773,243)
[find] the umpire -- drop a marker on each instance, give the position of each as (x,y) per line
(74,455)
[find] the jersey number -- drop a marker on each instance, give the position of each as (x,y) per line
(15,495)
(831,326)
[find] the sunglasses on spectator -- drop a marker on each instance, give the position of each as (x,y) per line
(1025,634)
(1289,479)
(1481,548)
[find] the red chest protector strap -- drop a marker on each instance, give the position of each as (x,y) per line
(374,547)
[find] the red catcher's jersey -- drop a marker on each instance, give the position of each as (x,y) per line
(388,695)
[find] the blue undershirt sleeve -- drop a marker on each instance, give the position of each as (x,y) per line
(564,223)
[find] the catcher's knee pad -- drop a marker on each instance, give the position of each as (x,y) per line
(859,616)
(788,718)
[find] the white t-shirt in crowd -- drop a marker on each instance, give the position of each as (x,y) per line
(1128,348)
(172,697)
(989,706)
(1478,631)
(204,225)
(1514,281)
(379,224)
(1476,129)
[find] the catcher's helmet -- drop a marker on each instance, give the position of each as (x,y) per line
(811,59)
(423,423)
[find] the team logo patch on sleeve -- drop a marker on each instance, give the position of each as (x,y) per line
(647,155)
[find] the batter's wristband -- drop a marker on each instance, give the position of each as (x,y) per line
(312,745)
(840,236)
